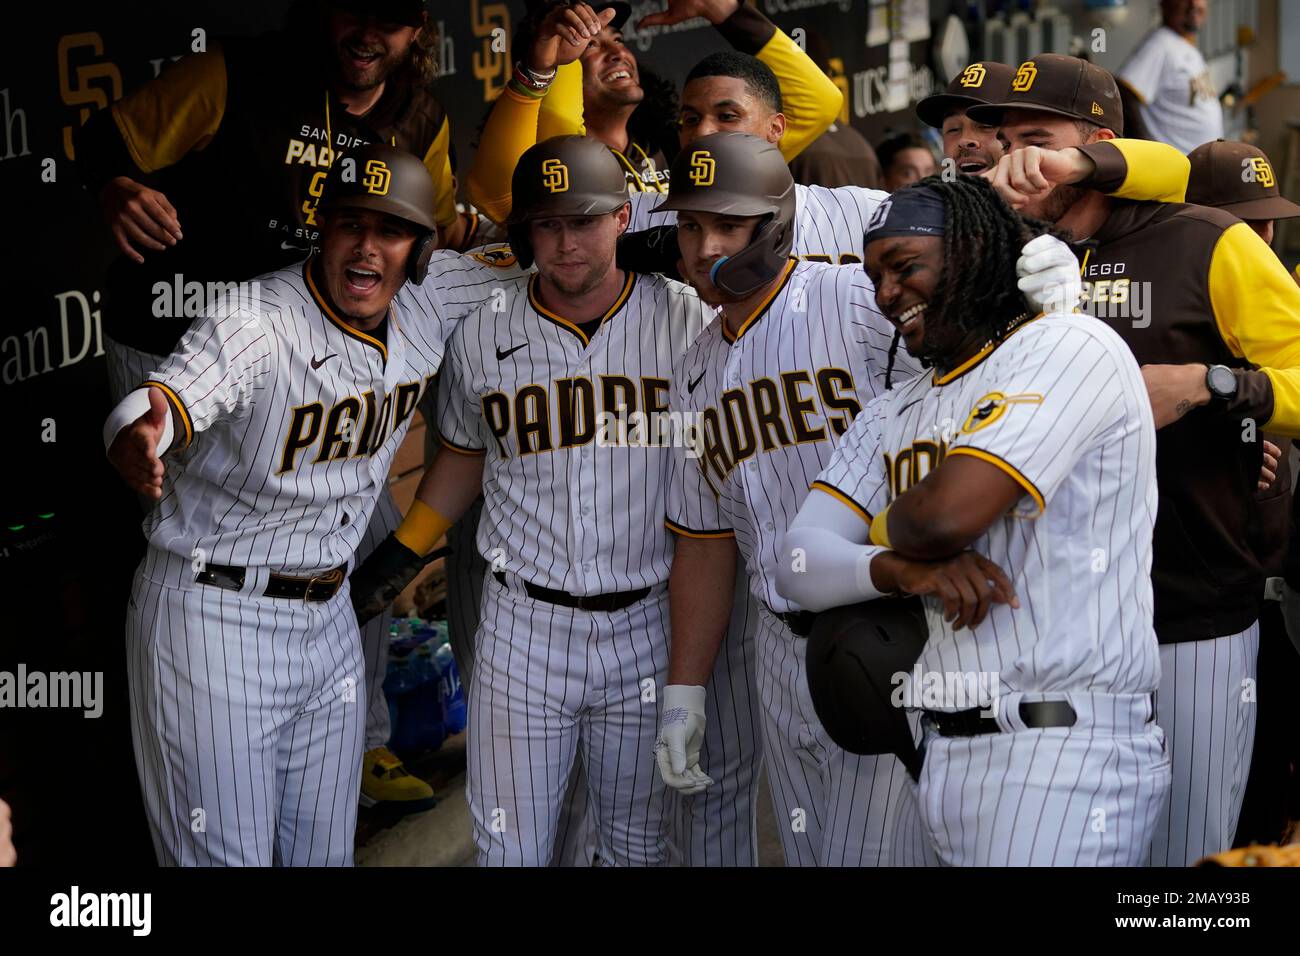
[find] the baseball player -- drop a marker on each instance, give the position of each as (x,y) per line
(548,406)
(278,417)
(973,147)
(718,826)
(1176,99)
(1219,346)
(774,383)
(170,153)
(576,76)
(1029,447)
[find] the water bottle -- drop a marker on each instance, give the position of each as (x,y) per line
(453,697)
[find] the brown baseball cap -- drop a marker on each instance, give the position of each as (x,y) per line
(1237,178)
(979,84)
(1064,85)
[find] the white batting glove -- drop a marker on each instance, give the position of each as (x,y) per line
(1049,275)
(681,733)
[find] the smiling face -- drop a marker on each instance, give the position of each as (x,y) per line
(725,104)
(704,238)
(906,271)
(576,253)
(368,51)
(609,73)
(363,261)
(973,146)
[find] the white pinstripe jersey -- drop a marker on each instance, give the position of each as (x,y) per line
(291,417)
(566,504)
(773,402)
(1061,407)
(828,223)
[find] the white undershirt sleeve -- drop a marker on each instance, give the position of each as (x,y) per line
(826,561)
(127,411)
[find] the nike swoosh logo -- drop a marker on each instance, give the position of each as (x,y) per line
(503,354)
(317,363)
(290,246)
(690,386)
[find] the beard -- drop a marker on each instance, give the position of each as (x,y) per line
(373,75)
(1056,204)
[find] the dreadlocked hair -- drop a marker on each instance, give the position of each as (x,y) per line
(977,292)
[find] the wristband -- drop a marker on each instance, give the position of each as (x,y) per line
(536,82)
(879,530)
(421,528)
(127,411)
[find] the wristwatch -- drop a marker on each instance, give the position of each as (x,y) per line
(1222,383)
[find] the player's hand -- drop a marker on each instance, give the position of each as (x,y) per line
(563,35)
(968,584)
(134,452)
(138,215)
(1268,469)
(681,734)
(1031,173)
(385,574)
(1049,275)
(1174,390)
(8,855)
(715,11)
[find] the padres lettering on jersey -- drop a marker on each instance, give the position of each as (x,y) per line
(291,419)
(1059,406)
(771,403)
(573,492)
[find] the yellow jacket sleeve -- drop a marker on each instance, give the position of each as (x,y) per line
(438,161)
(561,113)
(175,113)
(510,129)
(810,100)
(1138,169)
(1257,309)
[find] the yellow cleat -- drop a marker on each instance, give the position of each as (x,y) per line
(385,781)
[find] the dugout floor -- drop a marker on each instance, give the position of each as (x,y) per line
(441,836)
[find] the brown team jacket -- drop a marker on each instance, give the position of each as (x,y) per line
(1182,284)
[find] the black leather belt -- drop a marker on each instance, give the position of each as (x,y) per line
(800,623)
(612,601)
(321,587)
(972,723)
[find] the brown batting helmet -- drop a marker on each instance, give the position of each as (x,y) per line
(736,174)
(392,181)
(562,176)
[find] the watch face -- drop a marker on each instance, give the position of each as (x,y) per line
(1222,382)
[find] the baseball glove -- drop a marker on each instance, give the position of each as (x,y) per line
(384,574)
(1256,855)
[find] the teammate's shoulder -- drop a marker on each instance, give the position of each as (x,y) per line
(671,290)
(1066,331)
(828,196)
(850,280)
(497,255)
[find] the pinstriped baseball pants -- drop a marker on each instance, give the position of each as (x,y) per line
(832,808)
(247,720)
(550,681)
(1088,795)
(1207,710)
